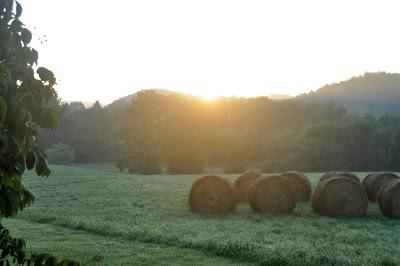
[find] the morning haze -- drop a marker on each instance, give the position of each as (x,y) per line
(199,133)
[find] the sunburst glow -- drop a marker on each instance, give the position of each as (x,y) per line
(224,48)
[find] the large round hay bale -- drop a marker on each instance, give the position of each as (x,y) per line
(242,184)
(389,199)
(375,182)
(366,178)
(272,194)
(333,174)
(212,194)
(340,196)
(300,183)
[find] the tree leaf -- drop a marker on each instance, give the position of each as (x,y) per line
(30,160)
(26,36)
(18,10)
(3,109)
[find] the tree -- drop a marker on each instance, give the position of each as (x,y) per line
(233,149)
(182,134)
(394,152)
(60,154)
(140,147)
(24,108)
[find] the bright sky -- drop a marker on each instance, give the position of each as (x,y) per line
(102,49)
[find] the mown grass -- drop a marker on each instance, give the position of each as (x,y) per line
(97,250)
(153,210)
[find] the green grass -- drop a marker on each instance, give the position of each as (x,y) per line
(133,217)
(99,250)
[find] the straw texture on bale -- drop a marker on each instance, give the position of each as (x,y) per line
(333,174)
(300,183)
(340,196)
(242,184)
(389,199)
(272,194)
(366,178)
(212,194)
(375,182)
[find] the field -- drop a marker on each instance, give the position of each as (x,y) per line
(95,214)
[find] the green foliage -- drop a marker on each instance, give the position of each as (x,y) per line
(364,143)
(233,147)
(328,146)
(185,132)
(91,132)
(395,150)
(24,108)
(140,135)
(60,154)
(277,166)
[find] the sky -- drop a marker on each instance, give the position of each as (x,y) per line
(103,50)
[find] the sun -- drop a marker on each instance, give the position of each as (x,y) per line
(209,97)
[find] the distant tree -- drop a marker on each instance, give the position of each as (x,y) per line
(25,96)
(234,151)
(76,106)
(394,152)
(61,154)
(140,135)
(91,132)
(182,134)
(322,148)
(330,146)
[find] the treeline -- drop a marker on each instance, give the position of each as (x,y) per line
(92,133)
(183,134)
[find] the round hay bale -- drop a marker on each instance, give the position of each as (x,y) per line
(242,184)
(333,174)
(366,178)
(340,196)
(272,194)
(389,199)
(212,194)
(300,183)
(375,182)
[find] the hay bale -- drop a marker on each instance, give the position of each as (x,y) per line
(340,196)
(366,178)
(272,194)
(389,199)
(375,182)
(333,174)
(242,184)
(300,183)
(212,194)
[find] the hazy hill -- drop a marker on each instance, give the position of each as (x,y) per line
(124,102)
(275,96)
(375,93)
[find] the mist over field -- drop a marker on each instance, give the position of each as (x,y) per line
(346,126)
(223,132)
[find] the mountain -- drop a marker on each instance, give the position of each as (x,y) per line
(279,97)
(375,93)
(125,101)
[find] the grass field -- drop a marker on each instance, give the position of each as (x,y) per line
(119,219)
